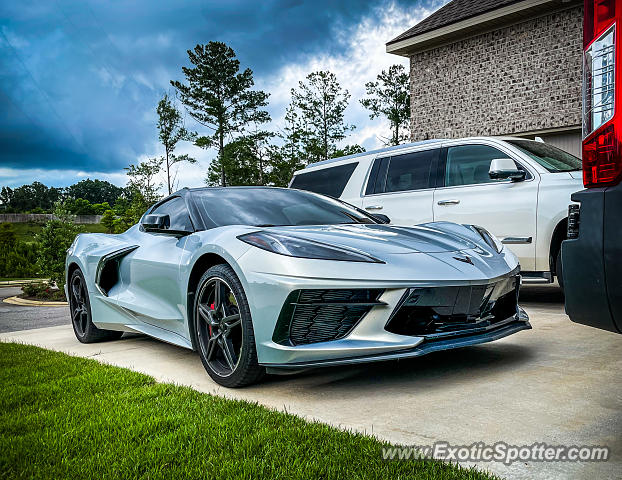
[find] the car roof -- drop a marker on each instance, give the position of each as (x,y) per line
(187,190)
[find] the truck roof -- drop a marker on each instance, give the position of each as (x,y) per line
(372,152)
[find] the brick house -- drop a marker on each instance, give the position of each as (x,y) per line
(497,67)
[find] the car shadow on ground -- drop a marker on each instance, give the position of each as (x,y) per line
(427,372)
(550,293)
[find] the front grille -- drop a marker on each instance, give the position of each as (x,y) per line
(441,311)
(312,316)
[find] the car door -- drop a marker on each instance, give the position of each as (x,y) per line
(150,276)
(467,194)
(402,187)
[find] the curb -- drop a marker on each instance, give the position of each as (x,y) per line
(19,283)
(33,303)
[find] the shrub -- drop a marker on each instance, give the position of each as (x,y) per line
(43,291)
(17,259)
(8,237)
(108,221)
(54,240)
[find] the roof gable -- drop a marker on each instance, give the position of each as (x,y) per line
(452,12)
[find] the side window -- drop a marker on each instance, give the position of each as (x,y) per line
(377,176)
(412,171)
(176,209)
(469,164)
(329,181)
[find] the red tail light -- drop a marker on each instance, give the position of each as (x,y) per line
(601,158)
(597,15)
(602,124)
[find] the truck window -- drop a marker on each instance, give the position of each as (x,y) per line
(470,164)
(411,171)
(329,181)
(550,157)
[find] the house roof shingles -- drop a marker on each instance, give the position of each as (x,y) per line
(452,12)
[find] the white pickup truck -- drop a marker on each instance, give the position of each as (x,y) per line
(517,189)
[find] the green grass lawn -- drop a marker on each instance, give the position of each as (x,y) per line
(26,231)
(65,417)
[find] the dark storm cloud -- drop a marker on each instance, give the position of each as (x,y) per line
(79,80)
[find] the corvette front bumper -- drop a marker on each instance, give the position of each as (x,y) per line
(370,338)
(425,346)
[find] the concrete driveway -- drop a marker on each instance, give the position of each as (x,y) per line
(559,383)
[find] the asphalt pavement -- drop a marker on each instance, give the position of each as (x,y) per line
(17,317)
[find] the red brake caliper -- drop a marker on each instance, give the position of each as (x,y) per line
(209,326)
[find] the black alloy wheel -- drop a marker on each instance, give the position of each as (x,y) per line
(80,309)
(224,329)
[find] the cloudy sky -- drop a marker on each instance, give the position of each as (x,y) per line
(80,80)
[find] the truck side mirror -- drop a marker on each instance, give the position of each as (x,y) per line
(504,168)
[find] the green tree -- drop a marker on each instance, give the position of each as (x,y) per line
(100,208)
(27,198)
(6,194)
(95,191)
(320,103)
(80,206)
(55,238)
(291,156)
(294,132)
(131,215)
(389,96)
(171,132)
(283,166)
(218,96)
(19,260)
(259,142)
(107,221)
(8,238)
(142,178)
(348,150)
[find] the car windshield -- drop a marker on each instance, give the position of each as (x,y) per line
(550,157)
(272,207)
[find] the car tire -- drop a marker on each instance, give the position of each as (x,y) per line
(559,273)
(80,310)
(224,329)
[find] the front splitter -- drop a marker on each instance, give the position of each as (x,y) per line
(427,346)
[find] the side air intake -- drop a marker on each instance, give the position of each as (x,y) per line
(312,316)
(107,275)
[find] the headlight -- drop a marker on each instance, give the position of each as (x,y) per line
(489,238)
(292,246)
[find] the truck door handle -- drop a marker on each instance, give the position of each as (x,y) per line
(374,207)
(448,202)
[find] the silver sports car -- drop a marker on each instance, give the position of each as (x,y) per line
(261,279)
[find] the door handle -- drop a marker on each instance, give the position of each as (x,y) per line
(374,207)
(448,202)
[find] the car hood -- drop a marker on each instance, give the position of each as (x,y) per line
(383,239)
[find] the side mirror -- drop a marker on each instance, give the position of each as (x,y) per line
(160,223)
(504,168)
(156,222)
(381,217)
